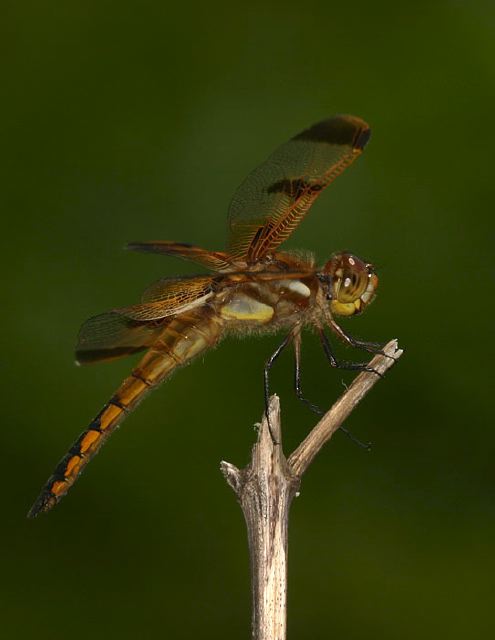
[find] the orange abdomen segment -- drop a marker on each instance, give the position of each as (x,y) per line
(184,337)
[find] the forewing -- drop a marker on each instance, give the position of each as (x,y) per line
(112,335)
(275,197)
(214,260)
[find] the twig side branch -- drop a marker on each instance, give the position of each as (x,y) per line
(265,490)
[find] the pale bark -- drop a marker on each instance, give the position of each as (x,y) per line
(266,487)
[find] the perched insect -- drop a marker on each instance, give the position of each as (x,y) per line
(253,287)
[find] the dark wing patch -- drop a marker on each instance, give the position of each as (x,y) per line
(276,196)
(110,335)
(339,130)
(294,188)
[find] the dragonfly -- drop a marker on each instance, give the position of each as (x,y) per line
(251,287)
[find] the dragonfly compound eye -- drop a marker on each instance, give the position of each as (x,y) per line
(353,284)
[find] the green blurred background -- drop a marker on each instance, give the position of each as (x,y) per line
(129,121)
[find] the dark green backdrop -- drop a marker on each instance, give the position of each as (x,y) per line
(126,121)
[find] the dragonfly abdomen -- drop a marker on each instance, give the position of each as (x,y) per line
(183,338)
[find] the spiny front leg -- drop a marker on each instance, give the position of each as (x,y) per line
(342,364)
(370,347)
(313,407)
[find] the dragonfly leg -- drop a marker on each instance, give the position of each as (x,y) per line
(266,378)
(343,364)
(371,347)
(297,377)
(352,438)
(313,407)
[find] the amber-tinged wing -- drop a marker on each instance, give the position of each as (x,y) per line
(214,260)
(112,335)
(275,197)
(170,296)
(130,329)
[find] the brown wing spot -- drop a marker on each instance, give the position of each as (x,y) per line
(72,466)
(89,439)
(257,235)
(361,139)
(262,232)
(59,487)
(346,130)
(294,188)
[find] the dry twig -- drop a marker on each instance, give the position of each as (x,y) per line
(266,487)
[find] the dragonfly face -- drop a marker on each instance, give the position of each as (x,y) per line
(251,287)
(353,284)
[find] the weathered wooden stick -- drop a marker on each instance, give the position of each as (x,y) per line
(266,487)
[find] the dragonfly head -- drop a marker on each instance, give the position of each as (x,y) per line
(352,284)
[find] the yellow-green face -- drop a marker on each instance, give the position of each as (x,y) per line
(353,284)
